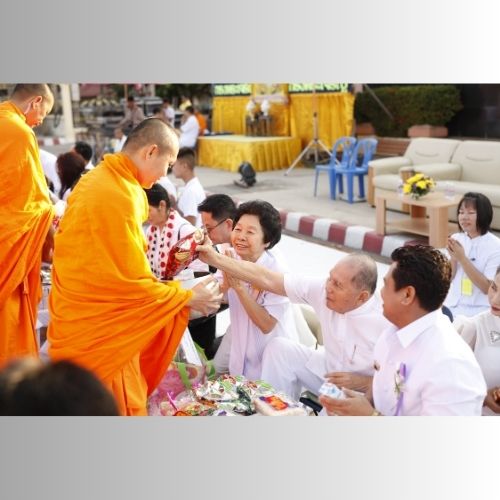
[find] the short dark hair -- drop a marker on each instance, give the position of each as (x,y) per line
(484,210)
(61,388)
(84,149)
(187,155)
(220,206)
(157,193)
(130,98)
(190,109)
(427,270)
(269,219)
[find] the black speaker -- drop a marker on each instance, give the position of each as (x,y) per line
(248,176)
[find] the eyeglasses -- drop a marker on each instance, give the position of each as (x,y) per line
(210,229)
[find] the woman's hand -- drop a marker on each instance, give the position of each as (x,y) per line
(492,396)
(455,249)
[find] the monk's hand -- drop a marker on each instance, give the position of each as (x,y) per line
(490,401)
(48,246)
(206,297)
(353,404)
(350,380)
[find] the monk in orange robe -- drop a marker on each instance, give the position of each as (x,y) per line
(108,311)
(25,219)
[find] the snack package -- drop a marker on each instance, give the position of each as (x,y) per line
(278,406)
(183,253)
(331,390)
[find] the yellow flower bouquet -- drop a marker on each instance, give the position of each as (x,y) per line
(418,185)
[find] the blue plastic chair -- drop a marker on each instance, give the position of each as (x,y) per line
(363,152)
(347,146)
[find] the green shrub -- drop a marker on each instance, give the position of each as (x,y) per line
(410,105)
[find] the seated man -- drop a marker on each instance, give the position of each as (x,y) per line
(350,315)
(422,367)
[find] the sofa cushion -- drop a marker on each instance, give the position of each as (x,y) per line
(489,190)
(429,150)
(480,161)
(390,182)
(449,171)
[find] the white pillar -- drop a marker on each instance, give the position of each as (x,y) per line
(69,130)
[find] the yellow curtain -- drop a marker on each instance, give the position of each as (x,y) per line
(335,116)
(229,114)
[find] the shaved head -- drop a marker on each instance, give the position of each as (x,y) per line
(152,131)
(24,91)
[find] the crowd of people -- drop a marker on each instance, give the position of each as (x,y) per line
(116,321)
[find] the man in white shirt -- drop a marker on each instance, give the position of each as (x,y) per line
(168,112)
(422,367)
(193,193)
(190,129)
(49,169)
(350,316)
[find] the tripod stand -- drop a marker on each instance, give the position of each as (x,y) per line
(315,143)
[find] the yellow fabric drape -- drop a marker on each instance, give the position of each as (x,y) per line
(229,114)
(228,152)
(335,116)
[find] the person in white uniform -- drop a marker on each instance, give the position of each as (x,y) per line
(257,315)
(475,256)
(482,333)
(190,129)
(349,313)
(422,367)
(193,193)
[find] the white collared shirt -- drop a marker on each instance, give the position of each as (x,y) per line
(349,339)
(482,333)
(442,374)
(484,251)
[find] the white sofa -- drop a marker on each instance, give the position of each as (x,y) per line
(462,165)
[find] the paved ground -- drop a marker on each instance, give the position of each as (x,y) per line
(334,222)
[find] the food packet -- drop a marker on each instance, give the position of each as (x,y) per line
(278,405)
(331,390)
(183,253)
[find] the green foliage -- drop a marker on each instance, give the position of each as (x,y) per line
(410,105)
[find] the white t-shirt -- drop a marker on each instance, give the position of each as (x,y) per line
(49,169)
(482,333)
(189,199)
(348,339)
(442,374)
(247,340)
(168,185)
(484,251)
(189,132)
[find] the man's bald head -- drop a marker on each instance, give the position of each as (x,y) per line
(35,100)
(152,131)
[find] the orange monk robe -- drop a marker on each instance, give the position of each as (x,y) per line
(202,122)
(25,217)
(108,311)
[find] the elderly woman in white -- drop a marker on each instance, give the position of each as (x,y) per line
(257,316)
